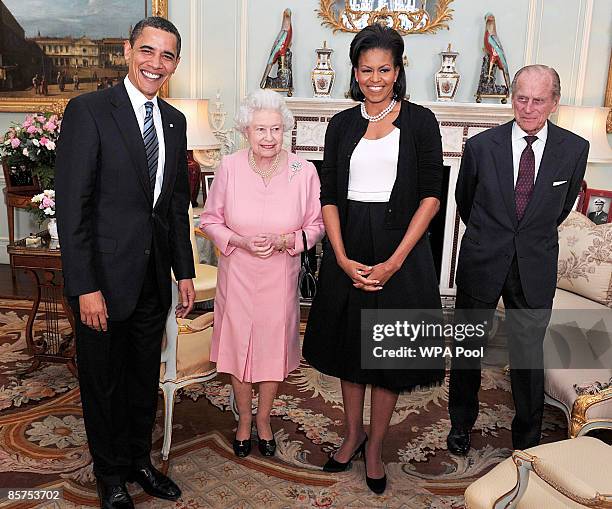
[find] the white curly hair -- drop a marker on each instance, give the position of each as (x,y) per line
(263,99)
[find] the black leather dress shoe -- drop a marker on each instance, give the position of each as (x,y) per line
(458,441)
(242,448)
(114,496)
(266,447)
(156,484)
(334,466)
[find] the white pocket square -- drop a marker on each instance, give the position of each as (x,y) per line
(559,182)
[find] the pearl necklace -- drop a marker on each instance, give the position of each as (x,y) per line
(381,115)
(264,174)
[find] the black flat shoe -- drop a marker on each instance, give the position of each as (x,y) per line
(242,448)
(458,441)
(156,484)
(334,466)
(377,485)
(266,447)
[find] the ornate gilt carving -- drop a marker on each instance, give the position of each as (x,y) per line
(345,19)
(581,406)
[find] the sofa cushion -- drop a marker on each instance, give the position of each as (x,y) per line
(585,258)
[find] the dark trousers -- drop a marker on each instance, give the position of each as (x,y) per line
(526,329)
(119,377)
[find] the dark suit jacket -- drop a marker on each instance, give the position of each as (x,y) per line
(107,224)
(601,218)
(485,199)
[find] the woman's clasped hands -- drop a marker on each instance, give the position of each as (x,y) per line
(366,277)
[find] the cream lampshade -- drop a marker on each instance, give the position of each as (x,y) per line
(590,123)
(200,138)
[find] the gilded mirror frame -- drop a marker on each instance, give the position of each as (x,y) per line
(333,18)
(35,104)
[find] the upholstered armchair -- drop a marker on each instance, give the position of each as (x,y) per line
(186,344)
(570,474)
(580,324)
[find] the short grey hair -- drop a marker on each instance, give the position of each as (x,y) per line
(541,68)
(263,99)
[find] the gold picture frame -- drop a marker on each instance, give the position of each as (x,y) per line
(55,105)
(351,19)
(608,97)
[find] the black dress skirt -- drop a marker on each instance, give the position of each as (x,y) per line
(332,342)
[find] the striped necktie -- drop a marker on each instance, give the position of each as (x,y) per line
(151,144)
(526,177)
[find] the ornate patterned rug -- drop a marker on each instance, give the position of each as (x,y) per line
(43,441)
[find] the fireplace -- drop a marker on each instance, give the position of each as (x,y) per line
(458,122)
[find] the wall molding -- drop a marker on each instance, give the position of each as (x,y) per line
(584,51)
(533,23)
(197,75)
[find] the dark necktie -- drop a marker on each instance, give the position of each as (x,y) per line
(524,183)
(149,135)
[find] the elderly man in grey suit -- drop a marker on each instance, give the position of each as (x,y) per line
(516,184)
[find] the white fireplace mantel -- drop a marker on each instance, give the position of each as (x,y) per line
(458,122)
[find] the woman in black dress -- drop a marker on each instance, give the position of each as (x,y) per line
(380,187)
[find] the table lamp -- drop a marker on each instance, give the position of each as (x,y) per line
(203,148)
(590,123)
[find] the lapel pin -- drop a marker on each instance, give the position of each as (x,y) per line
(171,125)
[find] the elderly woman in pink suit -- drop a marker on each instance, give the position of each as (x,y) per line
(261,200)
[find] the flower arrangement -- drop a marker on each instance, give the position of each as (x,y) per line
(43,205)
(31,145)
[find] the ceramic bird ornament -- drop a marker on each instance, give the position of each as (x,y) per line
(494,50)
(279,51)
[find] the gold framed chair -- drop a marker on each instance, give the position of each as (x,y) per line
(569,474)
(185,358)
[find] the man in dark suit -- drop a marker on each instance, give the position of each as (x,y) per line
(122,204)
(598,216)
(517,183)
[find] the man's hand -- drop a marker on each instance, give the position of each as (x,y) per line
(93,311)
(187,298)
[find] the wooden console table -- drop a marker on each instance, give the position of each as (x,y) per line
(45,266)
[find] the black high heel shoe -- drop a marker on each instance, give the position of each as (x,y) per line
(242,448)
(334,466)
(266,447)
(377,485)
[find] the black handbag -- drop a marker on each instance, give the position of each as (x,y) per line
(307,282)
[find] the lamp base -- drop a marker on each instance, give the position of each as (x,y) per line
(194,171)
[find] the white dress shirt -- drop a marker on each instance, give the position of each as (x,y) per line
(138,100)
(519,144)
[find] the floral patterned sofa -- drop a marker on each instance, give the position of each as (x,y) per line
(582,322)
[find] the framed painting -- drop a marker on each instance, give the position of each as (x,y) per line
(207,180)
(51,52)
(597,206)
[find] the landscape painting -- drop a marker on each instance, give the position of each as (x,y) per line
(52,51)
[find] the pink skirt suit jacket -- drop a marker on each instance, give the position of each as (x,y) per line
(255,334)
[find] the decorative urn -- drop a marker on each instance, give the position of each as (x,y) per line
(323,75)
(447,78)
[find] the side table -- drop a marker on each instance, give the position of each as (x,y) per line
(44,264)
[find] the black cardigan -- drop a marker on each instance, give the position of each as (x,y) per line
(419,165)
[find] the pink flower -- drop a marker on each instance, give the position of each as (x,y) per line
(50,126)
(15,142)
(47,202)
(27,122)
(31,129)
(41,118)
(44,141)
